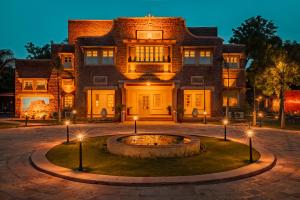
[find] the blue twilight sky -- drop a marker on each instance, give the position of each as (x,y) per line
(40,21)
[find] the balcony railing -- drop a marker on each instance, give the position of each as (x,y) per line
(140,67)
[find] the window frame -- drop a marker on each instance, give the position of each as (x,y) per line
(100,83)
(108,57)
(63,57)
(231,64)
(89,54)
(187,57)
(205,56)
(226,95)
(36,84)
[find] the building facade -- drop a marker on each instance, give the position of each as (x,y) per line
(153,67)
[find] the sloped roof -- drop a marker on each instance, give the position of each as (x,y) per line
(37,68)
(233,48)
(63,48)
(204,31)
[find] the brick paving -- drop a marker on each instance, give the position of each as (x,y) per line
(18,180)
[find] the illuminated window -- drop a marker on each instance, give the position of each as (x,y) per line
(189,57)
(107,56)
(110,100)
(41,85)
(205,57)
(28,85)
(187,100)
(231,82)
(156,101)
(91,57)
(67,61)
(231,61)
(68,101)
(149,54)
(199,101)
(232,98)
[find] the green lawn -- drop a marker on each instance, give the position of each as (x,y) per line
(219,156)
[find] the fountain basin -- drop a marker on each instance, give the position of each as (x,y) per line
(153,145)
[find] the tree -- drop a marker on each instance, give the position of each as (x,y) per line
(260,40)
(6,70)
(278,77)
(6,58)
(36,52)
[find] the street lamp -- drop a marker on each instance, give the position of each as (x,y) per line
(260,115)
(250,134)
(204,113)
(135,118)
(225,122)
(68,136)
(80,139)
(26,119)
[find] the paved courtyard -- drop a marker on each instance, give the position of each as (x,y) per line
(18,180)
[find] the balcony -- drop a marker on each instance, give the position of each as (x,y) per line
(148,67)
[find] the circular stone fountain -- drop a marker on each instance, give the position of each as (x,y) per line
(151,145)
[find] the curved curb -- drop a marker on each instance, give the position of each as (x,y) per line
(266,162)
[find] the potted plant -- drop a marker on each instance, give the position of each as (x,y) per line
(103,112)
(169,108)
(195,112)
(119,109)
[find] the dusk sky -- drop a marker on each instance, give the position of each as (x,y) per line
(41,21)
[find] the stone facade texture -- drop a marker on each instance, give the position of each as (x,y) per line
(120,33)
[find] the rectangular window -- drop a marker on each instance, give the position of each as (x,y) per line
(67,61)
(157,101)
(197,80)
(148,54)
(187,100)
(232,98)
(199,101)
(107,56)
(100,80)
(68,101)
(110,100)
(231,82)
(189,57)
(41,85)
(205,57)
(231,62)
(28,85)
(91,57)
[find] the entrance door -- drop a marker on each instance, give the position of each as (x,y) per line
(144,104)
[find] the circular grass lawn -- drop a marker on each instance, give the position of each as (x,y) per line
(217,156)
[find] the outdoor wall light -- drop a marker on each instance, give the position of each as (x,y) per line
(225,122)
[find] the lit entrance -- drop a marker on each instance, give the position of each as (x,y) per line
(144,104)
(148,100)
